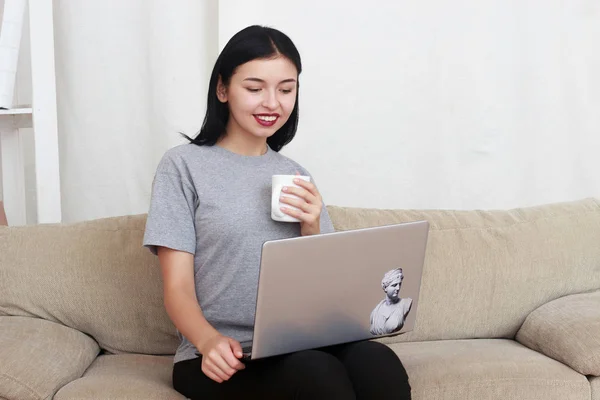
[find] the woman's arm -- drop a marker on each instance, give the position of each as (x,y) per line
(180,296)
(220,354)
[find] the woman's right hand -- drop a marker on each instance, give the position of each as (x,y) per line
(220,358)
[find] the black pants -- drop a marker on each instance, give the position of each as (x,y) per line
(361,370)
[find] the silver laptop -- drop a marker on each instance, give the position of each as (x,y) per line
(322,290)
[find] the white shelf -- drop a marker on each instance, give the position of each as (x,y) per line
(40,115)
(16,111)
(15,118)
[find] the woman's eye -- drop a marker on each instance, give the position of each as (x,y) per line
(286,91)
(253,90)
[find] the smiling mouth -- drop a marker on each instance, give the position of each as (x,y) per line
(266,119)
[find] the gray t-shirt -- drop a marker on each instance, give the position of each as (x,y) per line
(216,205)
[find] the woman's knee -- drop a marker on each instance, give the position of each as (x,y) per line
(313,364)
(315,374)
(374,354)
(370,349)
(371,367)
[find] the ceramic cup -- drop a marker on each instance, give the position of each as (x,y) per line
(277,184)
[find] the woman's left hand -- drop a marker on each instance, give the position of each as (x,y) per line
(309,206)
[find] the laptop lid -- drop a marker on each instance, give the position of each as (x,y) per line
(328,289)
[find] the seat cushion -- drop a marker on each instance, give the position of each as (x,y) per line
(37,357)
(487,369)
(124,376)
(595,383)
(568,330)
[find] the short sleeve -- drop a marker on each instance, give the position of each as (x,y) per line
(170,221)
(326,224)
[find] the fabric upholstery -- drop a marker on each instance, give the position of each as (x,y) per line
(568,330)
(124,377)
(92,276)
(595,384)
(487,369)
(37,357)
(485,271)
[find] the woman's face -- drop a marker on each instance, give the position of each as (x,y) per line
(261,96)
(393,289)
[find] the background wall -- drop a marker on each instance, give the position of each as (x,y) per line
(459,104)
(432,104)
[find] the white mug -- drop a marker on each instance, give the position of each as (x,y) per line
(277,184)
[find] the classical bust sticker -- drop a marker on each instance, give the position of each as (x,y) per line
(389,315)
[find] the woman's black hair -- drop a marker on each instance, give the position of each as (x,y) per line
(251,43)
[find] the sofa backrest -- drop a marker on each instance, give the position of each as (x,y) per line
(485,271)
(92,276)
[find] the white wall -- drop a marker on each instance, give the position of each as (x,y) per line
(434,104)
(462,104)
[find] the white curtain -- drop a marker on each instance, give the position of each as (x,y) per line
(435,104)
(130,75)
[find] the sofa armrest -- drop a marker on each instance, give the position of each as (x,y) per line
(38,357)
(568,330)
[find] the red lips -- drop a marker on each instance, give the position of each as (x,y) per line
(266,123)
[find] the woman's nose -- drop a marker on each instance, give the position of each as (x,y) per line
(270,100)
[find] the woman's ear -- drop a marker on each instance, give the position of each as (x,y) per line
(221,91)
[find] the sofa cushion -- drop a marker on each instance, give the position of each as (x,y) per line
(485,271)
(487,369)
(93,276)
(37,357)
(124,377)
(595,384)
(568,330)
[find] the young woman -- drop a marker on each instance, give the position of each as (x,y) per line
(208,219)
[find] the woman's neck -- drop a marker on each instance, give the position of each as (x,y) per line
(243,144)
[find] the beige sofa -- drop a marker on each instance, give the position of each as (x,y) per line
(509,307)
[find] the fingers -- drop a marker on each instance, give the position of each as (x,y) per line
(217,369)
(307,191)
(235,352)
(295,201)
(300,194)
(236,348)
(213,372)
(218,360)
(306,199)
(220,363)
(304,212)
(211,375)
(307,218)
